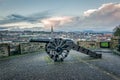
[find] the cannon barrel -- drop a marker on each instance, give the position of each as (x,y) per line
(40,40)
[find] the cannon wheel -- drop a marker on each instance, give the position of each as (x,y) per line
(57,49)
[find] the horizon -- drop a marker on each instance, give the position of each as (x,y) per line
(88,31)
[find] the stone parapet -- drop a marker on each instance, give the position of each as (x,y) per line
(31,47)
(8,49)
(4,49)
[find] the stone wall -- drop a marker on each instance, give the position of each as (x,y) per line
(31,47)
(8,49)
(115,42)
(4,49)
(15,48)
(88,44)
(92,44)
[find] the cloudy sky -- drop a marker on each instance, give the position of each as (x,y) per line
(64,15)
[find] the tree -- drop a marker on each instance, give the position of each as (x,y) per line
(117,31)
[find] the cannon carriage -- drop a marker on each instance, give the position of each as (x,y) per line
(58,48)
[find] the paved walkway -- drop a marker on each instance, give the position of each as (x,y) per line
(77,66)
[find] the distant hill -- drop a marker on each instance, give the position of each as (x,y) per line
(91,31)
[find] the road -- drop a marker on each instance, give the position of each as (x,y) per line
(77,66)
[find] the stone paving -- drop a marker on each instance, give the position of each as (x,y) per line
(77,66)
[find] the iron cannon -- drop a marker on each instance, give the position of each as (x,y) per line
(58,48)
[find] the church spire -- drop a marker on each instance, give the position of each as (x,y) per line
(51,31)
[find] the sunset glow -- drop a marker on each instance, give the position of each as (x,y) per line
(54,21)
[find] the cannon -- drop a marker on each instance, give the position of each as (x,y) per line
(58,48)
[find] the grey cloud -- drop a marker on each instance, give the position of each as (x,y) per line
(12,19)
(107,14)
(33,29)
(20,18)
(106,17)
